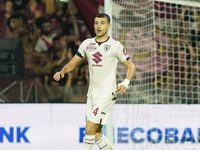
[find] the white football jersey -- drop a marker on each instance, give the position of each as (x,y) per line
(102,62)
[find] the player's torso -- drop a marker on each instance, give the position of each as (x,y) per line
(102,61)
(102,57)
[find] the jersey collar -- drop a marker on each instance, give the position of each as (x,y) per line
(99,43)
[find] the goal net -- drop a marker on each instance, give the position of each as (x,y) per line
(162,38)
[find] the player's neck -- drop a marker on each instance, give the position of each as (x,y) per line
(102,39)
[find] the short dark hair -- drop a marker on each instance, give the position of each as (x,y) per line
(195,62)
(15,16)
(46,21)
(103,15)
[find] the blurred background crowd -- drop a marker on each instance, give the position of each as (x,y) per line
(164,45)
(163,41)
(51,33)
(179,42)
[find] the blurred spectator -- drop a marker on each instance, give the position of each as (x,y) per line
(16,25)
(35,15)
(5,14)
(182,64)
(2,5)
(73,46)
(74,34)
(178,40)
(9,11)
(29,17)
(60,17)
(83,73)
(29,55)
(64,24)
(57,29)
(20,6)
(49,6)
(82,76)
(48,62)
(45,40)
(32,5)
(195,73)
(79,83)
(60,56)
(40,15)
(60,23)
(58,53)
(191,17)
(43,66)
(83,30)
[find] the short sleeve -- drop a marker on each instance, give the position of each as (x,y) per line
(81,49)
(38,47)
(122,54)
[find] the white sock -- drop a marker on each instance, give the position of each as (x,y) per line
(104,143)
(89,142)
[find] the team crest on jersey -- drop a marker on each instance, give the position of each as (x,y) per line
(106,47)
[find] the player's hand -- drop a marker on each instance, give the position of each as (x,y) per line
(121,89)
(58,75)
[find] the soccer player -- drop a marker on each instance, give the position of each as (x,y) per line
(103,54)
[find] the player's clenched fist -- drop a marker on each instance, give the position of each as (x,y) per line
(58,75)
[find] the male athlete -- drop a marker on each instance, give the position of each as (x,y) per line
(103,54)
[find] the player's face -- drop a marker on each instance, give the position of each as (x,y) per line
(101,27)
(14,23)
(47,28)
(57,45)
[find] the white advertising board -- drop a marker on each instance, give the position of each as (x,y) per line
(157,127)
(25,126)
(61,126)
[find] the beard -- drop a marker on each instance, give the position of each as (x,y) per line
(57,49)
(47,32)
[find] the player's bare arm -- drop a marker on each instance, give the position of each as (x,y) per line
(67,68)
(122,87)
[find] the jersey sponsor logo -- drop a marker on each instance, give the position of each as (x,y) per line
(91,47)
(106,47)
(97,59)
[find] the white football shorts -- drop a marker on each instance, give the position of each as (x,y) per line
(98,113)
